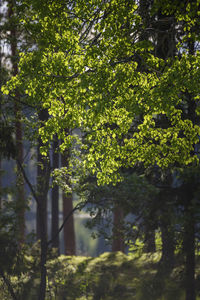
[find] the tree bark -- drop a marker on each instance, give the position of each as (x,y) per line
(43,255)
(69,232)
(190,188)
(150,245)
(43,176)
(189,246)
(18,127)
(0,118)
(55,199)
(167,230)
(118,237)
(167,235)
(189,239)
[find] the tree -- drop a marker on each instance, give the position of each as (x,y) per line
(9,57)
(69,231)
(136,99)
(110,74)
(55,197)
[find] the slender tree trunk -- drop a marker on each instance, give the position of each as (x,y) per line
(189,247)
(167,235)
(18,126)
(0,188)
(43,176)
(118,237)
(42,173)
(43,256)
(189,241)
(55,199)
(167,231)
(69,232)
(150,245)
(0,114)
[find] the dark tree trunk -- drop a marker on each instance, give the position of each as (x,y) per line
(43,176)
(69,232)
(118,235)
(18,127)
(189,238)
(150,224)
(167,235)
(0,187)
(55,199)
(167,229)
(43,255)
(42,190)
(189,247)
(1,77)
(189,230)
(150,245)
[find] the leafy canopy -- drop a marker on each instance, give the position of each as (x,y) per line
(92,71)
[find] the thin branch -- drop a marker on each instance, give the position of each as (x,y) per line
(28,182)
(64,222)
(20,101)
(38,203)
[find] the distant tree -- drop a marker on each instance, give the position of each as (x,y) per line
(118,232)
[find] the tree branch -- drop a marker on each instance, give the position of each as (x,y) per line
(78,206)
(28,182)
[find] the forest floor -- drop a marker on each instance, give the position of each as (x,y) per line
(109,276)
(115,276)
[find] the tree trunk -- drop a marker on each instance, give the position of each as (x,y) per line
(55,199)
(190,255)
(18,127)
(43,255)
(1,75)
(167,230)
(42,173)
(150,245)
(167,235)
(189,230)
(118,237)
(189,242)
(43,176)
(69,232)
(0,188)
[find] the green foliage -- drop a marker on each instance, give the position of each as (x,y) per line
(96,67)
(111,275)
(136,247)
(85,71)
(9,251)
(134,194)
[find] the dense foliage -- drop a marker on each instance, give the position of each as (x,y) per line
(93,70)
(116,84)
